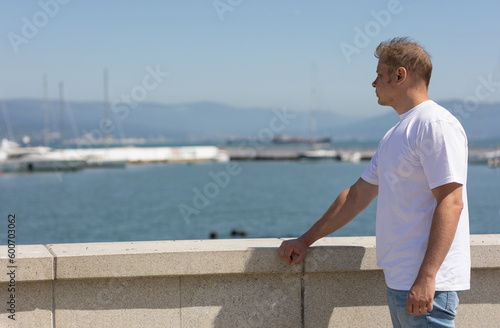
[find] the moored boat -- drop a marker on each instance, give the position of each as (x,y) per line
(14,158)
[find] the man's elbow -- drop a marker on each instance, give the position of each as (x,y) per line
(454,206)
(456,202)
(458,206)
(358,198)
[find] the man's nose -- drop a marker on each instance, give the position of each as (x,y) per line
(374,83)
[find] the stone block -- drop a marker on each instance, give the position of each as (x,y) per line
(341,254)
(480,306)
(478,315)
(125,303)
(485,251)
(345,299)
(32,263)
(243,301)
(168,258)
(33,305)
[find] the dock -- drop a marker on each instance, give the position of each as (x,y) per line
(293,152)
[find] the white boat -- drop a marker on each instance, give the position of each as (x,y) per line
(120,156)
(97,161)
(14,158)
(320,154)
(354,156)
(494,162)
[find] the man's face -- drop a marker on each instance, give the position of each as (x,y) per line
(384,84)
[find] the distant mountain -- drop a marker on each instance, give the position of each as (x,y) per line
(481,123)
(202,120)
(209,121)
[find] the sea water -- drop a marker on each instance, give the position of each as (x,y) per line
(191,201)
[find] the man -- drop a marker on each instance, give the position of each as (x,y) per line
(419,174)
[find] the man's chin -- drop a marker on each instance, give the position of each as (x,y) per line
(381,102)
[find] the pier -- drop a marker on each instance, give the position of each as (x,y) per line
(14,158)
(293,152)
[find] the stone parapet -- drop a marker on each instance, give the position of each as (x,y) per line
(221,283)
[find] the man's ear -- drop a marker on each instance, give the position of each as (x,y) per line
(402,74)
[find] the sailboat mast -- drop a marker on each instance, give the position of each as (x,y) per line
(61,112)
(45,111)
(8,125)
(313,102)
(106,106)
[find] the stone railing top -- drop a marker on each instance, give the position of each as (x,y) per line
(31,262)
(204,257)
(168,258)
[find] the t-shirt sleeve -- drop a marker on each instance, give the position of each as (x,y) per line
(371,173)
(443,153)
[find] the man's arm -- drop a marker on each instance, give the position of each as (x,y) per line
(348,204)
(443,228)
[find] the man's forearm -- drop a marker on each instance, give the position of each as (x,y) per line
(330,221)
(348,204)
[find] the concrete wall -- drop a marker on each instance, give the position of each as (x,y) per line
(220,283)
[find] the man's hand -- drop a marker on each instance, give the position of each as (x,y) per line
(290,247)
(421,296)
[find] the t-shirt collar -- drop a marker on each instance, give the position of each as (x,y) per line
(414,109)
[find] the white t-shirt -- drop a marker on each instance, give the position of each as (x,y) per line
(426,149)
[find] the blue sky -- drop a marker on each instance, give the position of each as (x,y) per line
(248,54)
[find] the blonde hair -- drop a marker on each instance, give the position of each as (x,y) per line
(404,52)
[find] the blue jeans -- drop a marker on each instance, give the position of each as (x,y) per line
(442,315)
